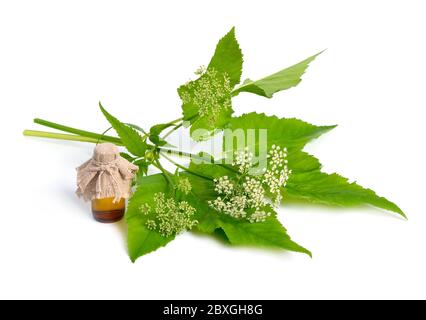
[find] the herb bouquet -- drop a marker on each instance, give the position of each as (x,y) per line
(234,195)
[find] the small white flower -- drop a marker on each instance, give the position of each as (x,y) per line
(276,177)
(238,197)
(243,160)
(211,93)
(145,208)
(223,186)
(259,216)
(151,225)
(200,71)
(184,185)
(171,217)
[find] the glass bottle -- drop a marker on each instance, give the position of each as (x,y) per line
(105,210)
(104,178)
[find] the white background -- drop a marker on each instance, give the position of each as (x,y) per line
(58,58)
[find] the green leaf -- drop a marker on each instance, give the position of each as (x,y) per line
(282,80)
(143,165)
(159,141)
(289,133)
(306,182)
(239,232)
(130,138)
(136,127)
(333,189)
(300,161)
(206,116)
(154,133)
(211,170)
(127,156)
(158,128)
(228,58)
(140,240)
(269,234)
(206,102)
(203,191)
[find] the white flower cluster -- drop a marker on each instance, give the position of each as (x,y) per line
(243,160)
(240,201)
(211,93)
(169,217)
(248,199)
(277,174)
(259,216)
(253,188)
(183,185)
(223,185)
(200,71)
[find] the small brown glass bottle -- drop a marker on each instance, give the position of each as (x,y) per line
(106,180)
(107,211)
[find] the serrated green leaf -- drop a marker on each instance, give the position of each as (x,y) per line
(127,156)
(130,138)
(211,170)
(206,116)
(239,232)
(205,125)
(207,100)
(159,141)
(269,234)
(148,186)
(154,134)
(138,128)
(333,189)
(140,240)
(228,58)
(306,182)
(289,133)
(282,80)
(143,165)
(203,191)
(300,161)
(158,128)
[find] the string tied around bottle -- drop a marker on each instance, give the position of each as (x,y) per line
(105,175)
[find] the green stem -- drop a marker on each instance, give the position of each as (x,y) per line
(194,156)
(87,136)
(182,153)
(176,120)
(172,130)
(166,174)
(79,132)
(60,136)
(185,168)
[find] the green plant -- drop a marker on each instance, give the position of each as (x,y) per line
(235,196)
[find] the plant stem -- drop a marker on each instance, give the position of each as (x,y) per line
(176,120)
(185,168)
(92,137)
(194,156)
(60,136)
(79,132)
(172,130)
(182,153)
(166,174)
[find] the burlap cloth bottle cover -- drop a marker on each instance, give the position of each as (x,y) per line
(106,175)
